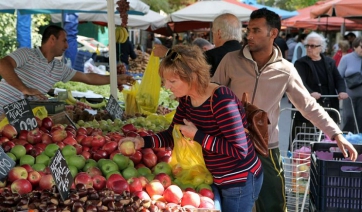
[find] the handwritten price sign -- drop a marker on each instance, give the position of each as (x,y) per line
(6,163)
(61,174)
(20,115)
(114,109)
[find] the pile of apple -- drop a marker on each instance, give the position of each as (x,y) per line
(96,161)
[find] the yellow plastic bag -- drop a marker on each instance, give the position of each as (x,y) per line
(40,112)
(131,105)
(187,156)
(149,90)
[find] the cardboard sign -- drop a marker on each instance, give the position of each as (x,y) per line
(20,115)
(6,163)
(114,109)
(61,174)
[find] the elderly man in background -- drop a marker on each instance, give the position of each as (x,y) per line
(203,44)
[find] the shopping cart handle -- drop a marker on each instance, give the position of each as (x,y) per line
(329,96)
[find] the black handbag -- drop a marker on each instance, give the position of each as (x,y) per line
(354,80)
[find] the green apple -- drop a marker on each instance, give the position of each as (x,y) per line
(203,185)
(27,159)
(38,167)
(18,151)
(129,172)
(103,161)
(89,163)
(150,177)
(108,166)
(162,167)
(112,172)
(42,158)
(69,150)
(77,161)
(130,163)
(11,155)
(51,149)
(143,171)
(121,160)
(73,170)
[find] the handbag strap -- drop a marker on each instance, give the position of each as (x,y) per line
(212,95)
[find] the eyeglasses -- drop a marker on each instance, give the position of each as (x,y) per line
(311,46)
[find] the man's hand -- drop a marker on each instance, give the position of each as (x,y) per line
(124,79)
(32,92)
(343,144)
(342,95)
(159,50)
(121,68)
(316,95)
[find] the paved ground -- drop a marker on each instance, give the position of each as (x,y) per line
(284,125)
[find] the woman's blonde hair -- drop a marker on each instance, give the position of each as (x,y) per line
(189,63)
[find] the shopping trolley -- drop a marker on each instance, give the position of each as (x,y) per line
(296,162)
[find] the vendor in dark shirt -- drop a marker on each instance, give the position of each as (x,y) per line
(124,51)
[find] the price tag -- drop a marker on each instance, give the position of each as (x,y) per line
(6,163)
(20,115)
(114,109)
(61,174)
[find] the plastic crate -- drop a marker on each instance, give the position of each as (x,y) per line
(336,183)
(52,107)
(81,58)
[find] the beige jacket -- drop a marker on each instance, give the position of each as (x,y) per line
(266,87)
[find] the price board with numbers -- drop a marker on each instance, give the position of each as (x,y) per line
(113,108)
(61,174)
(6,163)
(20,115)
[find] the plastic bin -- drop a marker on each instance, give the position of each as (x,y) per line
(336,183)
(52,107)
(81,58)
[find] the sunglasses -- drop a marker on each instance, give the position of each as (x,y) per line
(311,46)
(173,56)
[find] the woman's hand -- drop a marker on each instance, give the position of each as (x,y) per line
(188,130)
(138,141)
(343,144)
(342,95)
(316,95)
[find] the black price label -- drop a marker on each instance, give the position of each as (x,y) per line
(20,115)
(114,109)
(6,164)
(61,174)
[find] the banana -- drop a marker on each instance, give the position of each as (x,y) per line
(120,35)
(68,102)
(125,34)
(70,98)
(97,105)
(117,34)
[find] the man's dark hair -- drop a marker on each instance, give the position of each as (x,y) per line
(51,30)
(272,19)
(301,37)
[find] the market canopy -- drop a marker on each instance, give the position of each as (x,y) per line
(282,13)
(67,6)
(152,20)
(338,8)
(201,13)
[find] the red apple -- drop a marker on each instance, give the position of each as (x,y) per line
(206,193)
(134,184)
(113,153)
(3,139)
(57,126)
(207,203)
(35,151)
(164,179)
(16,173)
(97,131)
(154,187)
(27,167)
(99,182)
(21,186)
(144,181)
(81,131)
(142,133)
(78,148)
(70,134)
(136,157)
(98,141)
(86,148)
(46,182)
(87,141)
(28,148)
(58,134)
(132,134)
(23,134)
(34,178)
(47,123)
(190,198)
(89,130)
(147,150)
(61,145)
(99,154)
(79,138)
(7,146)
(128,128)
(46,138)
(9,131)
(42,129)
(120,186)
(127,148)
(38,121)
(34,136)
(84,178)
(70,141)
(94,171)
(142,195)
(173,194)
(19,141)
(41,146)
(113,178)
(86,154)
(149,159)
(110,146)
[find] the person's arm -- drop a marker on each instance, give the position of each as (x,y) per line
(132,53)
(7,72)
(98,79)
(342,67)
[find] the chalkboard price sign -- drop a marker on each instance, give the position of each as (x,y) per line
(20,115)
(6,163)
(113,108)
(61,174)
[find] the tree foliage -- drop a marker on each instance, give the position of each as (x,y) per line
(8,41)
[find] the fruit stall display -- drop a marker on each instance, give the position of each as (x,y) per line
(107,176)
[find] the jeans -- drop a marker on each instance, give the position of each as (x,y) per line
(242,198)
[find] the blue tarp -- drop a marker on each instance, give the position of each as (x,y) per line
(284,14)
(70,21)
(23,30)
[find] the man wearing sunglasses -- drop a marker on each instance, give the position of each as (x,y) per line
(260,70)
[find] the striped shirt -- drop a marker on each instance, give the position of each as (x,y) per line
(229,154)
(34,71)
